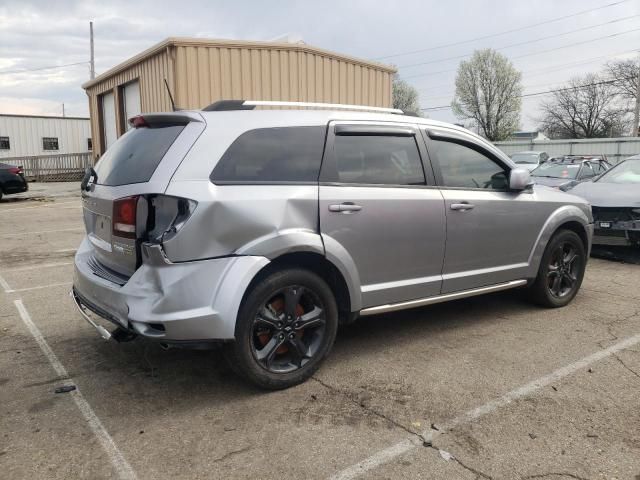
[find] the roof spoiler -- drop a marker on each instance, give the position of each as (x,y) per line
(164,119)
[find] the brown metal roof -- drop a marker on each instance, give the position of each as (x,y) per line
(186,41)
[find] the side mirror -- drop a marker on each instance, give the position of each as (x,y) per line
(519,179)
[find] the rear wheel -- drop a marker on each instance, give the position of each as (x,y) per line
(286,326)
(561,270)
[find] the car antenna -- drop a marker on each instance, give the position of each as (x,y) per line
(173,104)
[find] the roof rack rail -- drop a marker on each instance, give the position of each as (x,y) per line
(225,105)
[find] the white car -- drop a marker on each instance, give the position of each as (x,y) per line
(529,160)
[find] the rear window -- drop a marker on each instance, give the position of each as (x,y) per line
(136,155)
(272,155)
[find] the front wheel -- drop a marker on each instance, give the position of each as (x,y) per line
(561,270)
(286,325)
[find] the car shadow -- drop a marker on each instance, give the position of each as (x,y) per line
(179,378)
(617,253)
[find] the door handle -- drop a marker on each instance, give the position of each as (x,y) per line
(462,206)
(345,207)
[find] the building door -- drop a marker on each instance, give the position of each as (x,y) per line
(130,102)
(109,131)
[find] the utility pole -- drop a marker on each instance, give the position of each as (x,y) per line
(92,73)
(636,113)
(63,111)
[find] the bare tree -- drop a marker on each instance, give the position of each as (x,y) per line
(587,107)
(488,90)
(405,97)
(626,77)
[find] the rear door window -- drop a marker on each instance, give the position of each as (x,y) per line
(376,160)
(135,156)
(273,155)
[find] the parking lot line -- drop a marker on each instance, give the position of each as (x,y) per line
(400,448)
(37,267)
(5,286)
(42,231)
(53,204)
(39,287)
(120,464)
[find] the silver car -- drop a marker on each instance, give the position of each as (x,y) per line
(264,229)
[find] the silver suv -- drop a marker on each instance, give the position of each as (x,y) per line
(264,229)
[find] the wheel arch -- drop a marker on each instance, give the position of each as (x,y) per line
(321,266)
(568,217)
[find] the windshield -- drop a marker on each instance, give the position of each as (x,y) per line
(557,170)
(625,172)
(530,158)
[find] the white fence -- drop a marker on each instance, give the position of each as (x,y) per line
(66,167)
(616,149)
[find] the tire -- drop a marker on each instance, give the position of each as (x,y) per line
(286,326)
(0,194)
(561,271)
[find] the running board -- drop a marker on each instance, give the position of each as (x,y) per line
(441,298)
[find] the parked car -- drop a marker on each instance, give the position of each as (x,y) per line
(12,180)
(264,229)
(530,159)
(567,171)
(615,202)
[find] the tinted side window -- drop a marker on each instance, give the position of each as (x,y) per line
(135,156)
(461,166)
(282,154)
(378,160)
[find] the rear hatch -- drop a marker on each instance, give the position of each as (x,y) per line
(119,194)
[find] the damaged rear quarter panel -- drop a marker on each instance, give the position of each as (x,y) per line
(265,220)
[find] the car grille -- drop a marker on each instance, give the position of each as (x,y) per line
(613,214)
(106,273)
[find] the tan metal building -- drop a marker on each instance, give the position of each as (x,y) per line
(200,72)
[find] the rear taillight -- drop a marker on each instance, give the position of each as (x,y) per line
(15,170)
(124,217)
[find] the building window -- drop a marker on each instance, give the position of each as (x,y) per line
(89,144)
(4,143)
(50,143)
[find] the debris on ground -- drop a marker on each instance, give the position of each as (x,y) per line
(434,427)
(533,436)
(445,455)
(65,389)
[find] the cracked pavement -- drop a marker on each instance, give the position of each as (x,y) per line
(183,414)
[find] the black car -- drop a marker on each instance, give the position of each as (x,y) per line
(615,203)
(567,171)
(12,180)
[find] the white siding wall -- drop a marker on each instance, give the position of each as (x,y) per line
(616,149)
(25,134)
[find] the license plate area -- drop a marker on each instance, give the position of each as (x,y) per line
(604,224)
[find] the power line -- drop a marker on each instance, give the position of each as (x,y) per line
(50,67)
(578,87)
(462,42)
(539,52)
(523,43)
(540,84)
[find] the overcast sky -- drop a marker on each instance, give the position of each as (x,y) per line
(35,34)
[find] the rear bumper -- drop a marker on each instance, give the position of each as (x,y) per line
(166,301)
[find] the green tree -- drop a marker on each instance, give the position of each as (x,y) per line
(405,97)
(488,90)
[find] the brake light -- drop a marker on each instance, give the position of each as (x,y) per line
(15,170)
(124,217)
(138,122)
